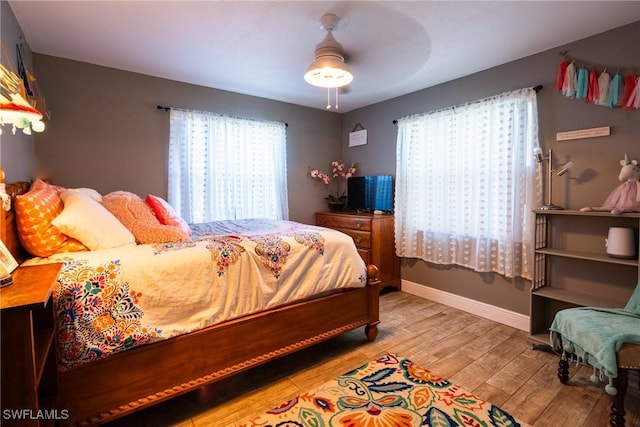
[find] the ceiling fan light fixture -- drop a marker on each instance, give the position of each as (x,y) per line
(329,70)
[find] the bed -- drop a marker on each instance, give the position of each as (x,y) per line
(168,360)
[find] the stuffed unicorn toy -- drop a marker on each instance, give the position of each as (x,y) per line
(626,196)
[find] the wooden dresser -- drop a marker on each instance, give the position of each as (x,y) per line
(374,238)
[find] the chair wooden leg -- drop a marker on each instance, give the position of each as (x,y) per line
(563,370)
(616,419)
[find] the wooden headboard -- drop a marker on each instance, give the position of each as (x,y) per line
(8,228)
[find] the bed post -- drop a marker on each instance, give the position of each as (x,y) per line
(8,227)
(3,216)
(371,329)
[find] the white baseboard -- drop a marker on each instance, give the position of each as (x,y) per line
(491,312)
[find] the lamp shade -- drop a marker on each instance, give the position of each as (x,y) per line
(18,113)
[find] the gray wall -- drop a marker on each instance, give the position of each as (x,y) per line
(107,133)
(16,151)
(596,160)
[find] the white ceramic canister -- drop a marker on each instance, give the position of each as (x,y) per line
(621,242)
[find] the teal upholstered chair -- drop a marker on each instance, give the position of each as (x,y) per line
(607,339)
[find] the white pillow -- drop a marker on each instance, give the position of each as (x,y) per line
(89,192)
(88,221)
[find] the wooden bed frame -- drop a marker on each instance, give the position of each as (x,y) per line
(120,384)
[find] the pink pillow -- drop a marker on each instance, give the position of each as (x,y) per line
(137,217)
(165,213)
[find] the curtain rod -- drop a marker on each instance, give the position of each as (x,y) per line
(537,88)
(162,107)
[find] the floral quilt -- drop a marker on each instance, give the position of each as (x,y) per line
(112,300)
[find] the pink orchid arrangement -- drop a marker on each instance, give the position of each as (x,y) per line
(339,174)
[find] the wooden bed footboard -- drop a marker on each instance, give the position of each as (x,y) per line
(126,382)
(101,391)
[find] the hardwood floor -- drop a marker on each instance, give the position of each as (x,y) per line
(494,361)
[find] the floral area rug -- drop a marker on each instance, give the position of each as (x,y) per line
(388,392)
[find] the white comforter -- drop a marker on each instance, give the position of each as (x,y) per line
(110,300)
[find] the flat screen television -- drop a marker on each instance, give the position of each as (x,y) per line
(370,193)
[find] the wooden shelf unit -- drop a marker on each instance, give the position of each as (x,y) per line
(29,371)
(572,268)
(374,237)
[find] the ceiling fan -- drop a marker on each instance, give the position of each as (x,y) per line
(329,70)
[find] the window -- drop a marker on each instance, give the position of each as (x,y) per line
(466,184)
(224,167)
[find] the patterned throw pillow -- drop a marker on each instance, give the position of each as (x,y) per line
(34,212)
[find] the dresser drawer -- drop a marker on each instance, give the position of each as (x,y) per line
(347,221)
(362,239)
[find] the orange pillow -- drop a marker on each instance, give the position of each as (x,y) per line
(166,214)
(34,212)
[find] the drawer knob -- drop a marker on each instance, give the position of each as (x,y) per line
(358,239)
(358,224)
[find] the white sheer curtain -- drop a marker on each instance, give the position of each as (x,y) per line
(223,167)
(466,184)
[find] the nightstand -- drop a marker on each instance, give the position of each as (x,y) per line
(29,371)
(374,239)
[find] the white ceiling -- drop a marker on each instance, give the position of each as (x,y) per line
(262,48)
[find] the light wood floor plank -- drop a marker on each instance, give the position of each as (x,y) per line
(571,405)
(537,393)
(516,373)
